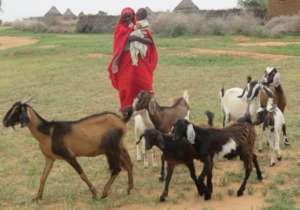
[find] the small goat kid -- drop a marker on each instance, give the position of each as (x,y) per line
(174,152)
(90,136)
(230,142)
(141,123)
(273,122)
(162,117)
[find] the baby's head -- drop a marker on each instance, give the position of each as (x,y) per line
(141,14)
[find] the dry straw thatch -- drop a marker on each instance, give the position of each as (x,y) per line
(68,13)
(186,6)
(53,12)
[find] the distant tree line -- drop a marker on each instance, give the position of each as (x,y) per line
(253,4)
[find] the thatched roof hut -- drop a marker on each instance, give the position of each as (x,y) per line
(69,14)
(186,6)
(149,11)
(81,14)
(53,12)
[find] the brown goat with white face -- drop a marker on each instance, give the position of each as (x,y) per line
(271,78)
(90,136)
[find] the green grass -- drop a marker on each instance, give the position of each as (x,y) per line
(66,84)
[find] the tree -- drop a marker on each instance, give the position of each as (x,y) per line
(253,4)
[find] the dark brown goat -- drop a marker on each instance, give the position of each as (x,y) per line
(90,136)
(175,153)
(162,117)
(237,140)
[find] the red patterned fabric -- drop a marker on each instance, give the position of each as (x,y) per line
(130,80)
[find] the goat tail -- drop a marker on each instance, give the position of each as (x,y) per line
(186,96)
(210,118)
(111,144)
(222,92)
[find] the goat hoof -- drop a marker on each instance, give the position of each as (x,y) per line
(240,193)
(162,199)
(207,196)
(260,150)
(279,158)
(272,164)
(36,199)
(161,179)
(103,196)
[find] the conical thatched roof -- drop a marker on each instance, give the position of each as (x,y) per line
(69,13)
(186,6)
(149,11)
(81,13)
(53,12)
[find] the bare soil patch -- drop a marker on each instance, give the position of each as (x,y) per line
(48,46)
(96,55)
(268,44)
(262,56)
(7,42)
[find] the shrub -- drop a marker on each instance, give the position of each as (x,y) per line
(48,24)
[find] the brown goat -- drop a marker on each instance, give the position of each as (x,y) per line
(90,136)
(271,78)
(162,117)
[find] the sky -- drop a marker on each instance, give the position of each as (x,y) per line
(18,9)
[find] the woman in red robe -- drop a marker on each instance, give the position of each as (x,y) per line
(128,79)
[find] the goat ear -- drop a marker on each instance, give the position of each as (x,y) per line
(268,92)
(276,79)
(152,106)
(190,133)
(249,79)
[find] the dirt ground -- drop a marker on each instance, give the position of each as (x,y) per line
(263,56)
(7,42)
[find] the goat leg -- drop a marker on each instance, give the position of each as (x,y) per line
(248,169)
(258,171)
(127,165)
(162,171)
(47,169)
(73,162)
(191,168)
(209,185)
(168,179)
(285,138)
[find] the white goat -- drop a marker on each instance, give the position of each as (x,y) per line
(141,123)
(273,123)
(236,102)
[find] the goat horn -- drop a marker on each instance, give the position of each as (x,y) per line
(244,91)
(27,100)
(141,137)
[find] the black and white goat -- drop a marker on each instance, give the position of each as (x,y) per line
(174,153)
(273,123)
(237,140)
(236,102)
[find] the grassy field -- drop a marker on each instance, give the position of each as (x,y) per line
(66,76)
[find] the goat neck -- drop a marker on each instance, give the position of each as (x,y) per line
(34,124)
(156,116)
